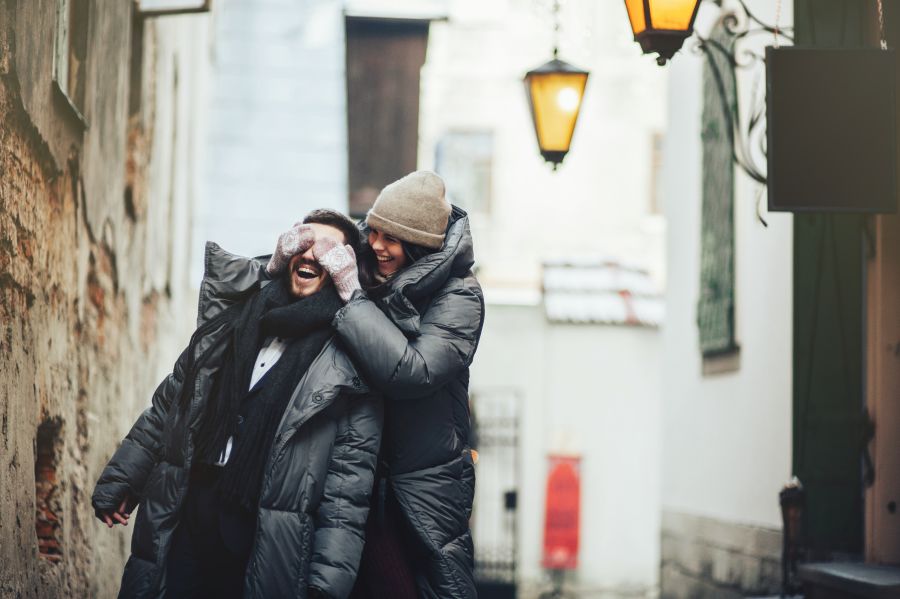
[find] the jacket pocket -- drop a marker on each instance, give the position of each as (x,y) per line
(279,565)
(153,481)
(139,580)
(436,501)
(158,512)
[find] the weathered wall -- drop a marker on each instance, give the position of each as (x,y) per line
(706,558)
(86,328)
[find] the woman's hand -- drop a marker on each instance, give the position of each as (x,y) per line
(119,515)
(340,262)
(295,241)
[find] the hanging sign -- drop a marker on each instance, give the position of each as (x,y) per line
(832,129)
(561,518)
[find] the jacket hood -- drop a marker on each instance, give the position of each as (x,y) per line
(426,275)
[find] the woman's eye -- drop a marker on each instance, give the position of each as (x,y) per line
(391,239)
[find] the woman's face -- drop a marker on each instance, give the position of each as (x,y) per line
(388,251)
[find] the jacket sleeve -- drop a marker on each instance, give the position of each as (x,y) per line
(131,464)
(406,368)
(341,515)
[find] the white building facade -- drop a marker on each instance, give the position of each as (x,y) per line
(578,381)
(726,418)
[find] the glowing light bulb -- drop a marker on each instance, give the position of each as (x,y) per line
(567,99)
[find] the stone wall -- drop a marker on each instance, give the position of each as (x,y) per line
(93,298)
(706,558)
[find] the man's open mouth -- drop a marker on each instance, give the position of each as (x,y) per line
(307,271)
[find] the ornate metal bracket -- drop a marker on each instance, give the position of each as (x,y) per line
(741,25)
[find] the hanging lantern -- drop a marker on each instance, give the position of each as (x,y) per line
(555,91)
(661,26)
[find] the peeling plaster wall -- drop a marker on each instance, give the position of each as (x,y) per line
(94,295)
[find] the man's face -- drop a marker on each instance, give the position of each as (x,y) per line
(306,276)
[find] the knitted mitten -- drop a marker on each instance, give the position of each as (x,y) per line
(295,241)
(340,262)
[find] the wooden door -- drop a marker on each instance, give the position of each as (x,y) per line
(384,59)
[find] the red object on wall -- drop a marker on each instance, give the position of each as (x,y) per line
(562,513)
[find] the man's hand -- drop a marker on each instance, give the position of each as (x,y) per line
(295,241)
(120,515)
(340,262)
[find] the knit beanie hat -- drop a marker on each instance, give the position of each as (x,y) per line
(413,209)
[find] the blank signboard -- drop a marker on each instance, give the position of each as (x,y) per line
(832,132)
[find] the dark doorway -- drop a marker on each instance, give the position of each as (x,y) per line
(830,423)
(384,58)
(494,527)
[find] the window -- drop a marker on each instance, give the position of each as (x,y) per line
(715,309)
(70,55)
(656,156)
(155,8)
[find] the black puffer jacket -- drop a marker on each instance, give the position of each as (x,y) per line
(315,492)
(416,348)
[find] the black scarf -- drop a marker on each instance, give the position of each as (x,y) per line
(271,312)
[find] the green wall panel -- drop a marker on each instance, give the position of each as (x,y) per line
(829,314)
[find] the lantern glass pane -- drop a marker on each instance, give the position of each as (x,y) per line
(636,15)
(672,14)
(556,98)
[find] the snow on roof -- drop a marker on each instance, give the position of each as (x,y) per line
(605,292)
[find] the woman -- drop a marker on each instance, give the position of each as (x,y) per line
(413,332)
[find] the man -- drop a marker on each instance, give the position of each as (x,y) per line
(254,465)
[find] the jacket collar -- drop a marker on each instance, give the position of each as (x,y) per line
(330,374)
(227,278)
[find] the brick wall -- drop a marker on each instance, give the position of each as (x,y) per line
(85,331)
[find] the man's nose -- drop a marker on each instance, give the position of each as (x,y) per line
(308,255)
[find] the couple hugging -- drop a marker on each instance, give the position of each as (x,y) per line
(311,440)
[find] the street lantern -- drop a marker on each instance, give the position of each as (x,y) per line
(555,91)
(661,26)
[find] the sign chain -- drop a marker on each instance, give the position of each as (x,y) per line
(556,4)
(777,19)
(881,26)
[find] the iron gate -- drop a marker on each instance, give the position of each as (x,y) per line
(495,415)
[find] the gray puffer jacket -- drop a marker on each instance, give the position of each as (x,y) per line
(416,346)
(316,490)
